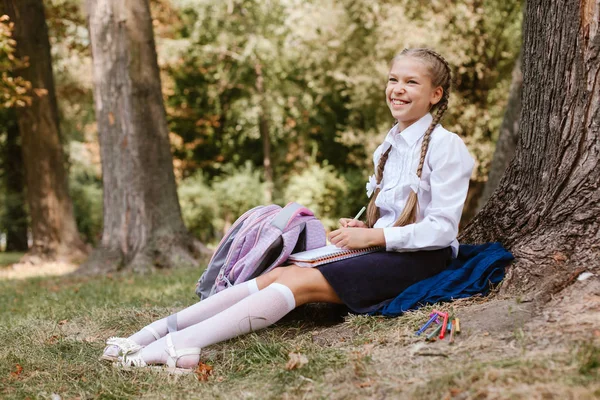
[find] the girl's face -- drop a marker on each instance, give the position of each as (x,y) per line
(410,92)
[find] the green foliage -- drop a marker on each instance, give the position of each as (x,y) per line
(324,66)
(199,208)
(13,90)
(87,207)
(321,189)
(209,208)
(85,188)
(238,191)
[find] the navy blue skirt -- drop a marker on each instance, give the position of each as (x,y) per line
(368,282)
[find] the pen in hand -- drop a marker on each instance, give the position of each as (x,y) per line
(347,223)
(362,210)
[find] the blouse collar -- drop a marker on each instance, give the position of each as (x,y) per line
(412,133)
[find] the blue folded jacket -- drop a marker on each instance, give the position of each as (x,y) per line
(473,271)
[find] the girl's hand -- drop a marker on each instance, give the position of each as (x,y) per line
(357,238)
(352,223)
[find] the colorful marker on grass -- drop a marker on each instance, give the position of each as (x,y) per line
(444,324)
(452,330)
(431,320)
(433,334)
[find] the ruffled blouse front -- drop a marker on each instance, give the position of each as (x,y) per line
(442,189)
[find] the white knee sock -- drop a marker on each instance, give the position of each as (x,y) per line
(194,314)
(251,314)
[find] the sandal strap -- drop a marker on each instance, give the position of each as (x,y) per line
(132,360)
(173,354)
(152,331)
(125,345)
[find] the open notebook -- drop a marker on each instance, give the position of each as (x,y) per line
(327,254)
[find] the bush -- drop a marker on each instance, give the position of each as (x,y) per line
(86,195)
(209,209)
(199,208)
(321,189)
(236,192)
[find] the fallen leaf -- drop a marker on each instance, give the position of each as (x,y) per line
(296,360)
(203,371)
(52,339)
(62,322)
(17,371)
(364,384)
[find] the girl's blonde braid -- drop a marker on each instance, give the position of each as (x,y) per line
(409,213)
(372,209)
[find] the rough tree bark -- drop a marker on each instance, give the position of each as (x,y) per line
(53,225)
(14,221)
(508,136)
(143,226)
(547,207)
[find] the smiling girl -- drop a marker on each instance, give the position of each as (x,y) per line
(417,195)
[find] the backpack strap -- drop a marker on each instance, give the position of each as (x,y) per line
(287,214)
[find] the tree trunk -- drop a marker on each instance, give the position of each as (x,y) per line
(509,134)
(263,127)
(53,225)
(546,209)
(143,226)
(15,218)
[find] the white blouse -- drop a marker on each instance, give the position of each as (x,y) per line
(442,189)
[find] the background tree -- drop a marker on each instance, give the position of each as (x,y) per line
(51,211)
(13,90)
(13,220)
(142,218)
(546,209)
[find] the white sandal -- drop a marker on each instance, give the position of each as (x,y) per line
(124,345)
(135,360)
(173,355)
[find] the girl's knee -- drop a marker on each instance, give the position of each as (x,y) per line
(300,280)
(294,276)
(266,279)
(308,285)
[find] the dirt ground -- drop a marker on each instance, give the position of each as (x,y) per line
(507,349)
(28,270)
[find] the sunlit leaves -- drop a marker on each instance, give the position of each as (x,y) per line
(13,90)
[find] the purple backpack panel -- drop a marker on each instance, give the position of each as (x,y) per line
(258,241)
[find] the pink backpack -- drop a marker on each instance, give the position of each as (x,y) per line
(258,241)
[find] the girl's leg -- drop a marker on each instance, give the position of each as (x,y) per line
(190,315)
(292,286)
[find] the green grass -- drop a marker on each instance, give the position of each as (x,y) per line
(53,330)
(9,258)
